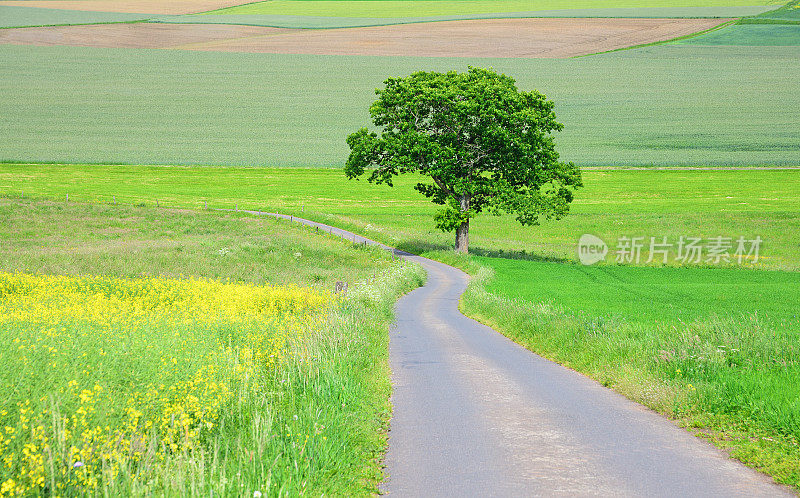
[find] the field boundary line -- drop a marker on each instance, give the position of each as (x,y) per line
(729,22)
(137,21)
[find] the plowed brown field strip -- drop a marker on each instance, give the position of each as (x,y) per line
(477,38)
(139,35)
(160,7)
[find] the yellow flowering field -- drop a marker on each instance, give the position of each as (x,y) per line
(110,380)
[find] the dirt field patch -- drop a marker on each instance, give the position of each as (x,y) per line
(160,7)
(139,35)
(519,38)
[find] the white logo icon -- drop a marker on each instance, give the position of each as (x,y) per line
(591,249)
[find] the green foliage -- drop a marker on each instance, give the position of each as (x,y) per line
(665,105)
(450,217)
(484,144)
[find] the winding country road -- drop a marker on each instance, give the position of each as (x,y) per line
(478,415)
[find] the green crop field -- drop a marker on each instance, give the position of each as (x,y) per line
(750,35)
(789,14)
(647,295)
(347,20)
(393,8)
(31,16)
(368,13)
(664,105)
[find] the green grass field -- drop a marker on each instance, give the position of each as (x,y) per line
(130,242)
(31,16)
(330,22)
(761,35)
(186,387)
(665,105)
(789,14)
(648,203)
(393,8)
(651,296)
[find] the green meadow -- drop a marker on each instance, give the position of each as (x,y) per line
(131,241)
(394,8)
(11,16)
(664,296)
(761,35)
(614,203)
(663,105)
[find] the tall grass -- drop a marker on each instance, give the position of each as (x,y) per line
(193,387)
(125,358)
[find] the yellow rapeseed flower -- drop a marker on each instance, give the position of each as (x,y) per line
(93,352)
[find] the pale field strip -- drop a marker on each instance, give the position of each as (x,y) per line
(510,38)
(138,35)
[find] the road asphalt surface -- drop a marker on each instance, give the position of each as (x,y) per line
(476,415)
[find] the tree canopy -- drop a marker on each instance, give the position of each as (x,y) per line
(483,144)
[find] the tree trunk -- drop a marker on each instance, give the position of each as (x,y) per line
(462,232)
(462,237)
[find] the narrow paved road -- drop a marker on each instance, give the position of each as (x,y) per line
(478,415)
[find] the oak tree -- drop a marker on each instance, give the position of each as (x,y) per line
(479,142)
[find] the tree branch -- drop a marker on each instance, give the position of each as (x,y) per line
(442,186)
